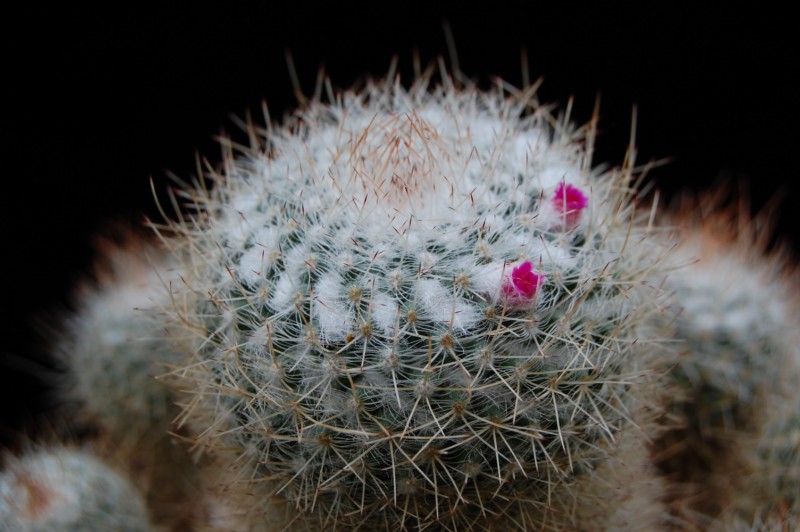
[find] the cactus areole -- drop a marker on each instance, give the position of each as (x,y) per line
(412,307)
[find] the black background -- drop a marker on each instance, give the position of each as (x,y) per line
(98,102)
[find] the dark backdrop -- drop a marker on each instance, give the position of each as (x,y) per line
(103,100)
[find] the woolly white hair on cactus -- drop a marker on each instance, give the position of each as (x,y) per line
(415,308)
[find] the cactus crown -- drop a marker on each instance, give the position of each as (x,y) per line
(414,307)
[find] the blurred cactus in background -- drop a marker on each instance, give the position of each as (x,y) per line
(424,308)
(67,489)
(112,349)
(736,446)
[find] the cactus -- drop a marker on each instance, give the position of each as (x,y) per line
(736,449)
(416,307)
(68,489)
(424,309)
(113,346)
(111,351)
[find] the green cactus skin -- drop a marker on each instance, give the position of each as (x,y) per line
(416,309)
(736,449)
(70,490)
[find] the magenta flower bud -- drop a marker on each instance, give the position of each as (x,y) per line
(521,285)
(569,202)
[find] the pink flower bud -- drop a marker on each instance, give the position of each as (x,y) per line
(569,201)
(521,285)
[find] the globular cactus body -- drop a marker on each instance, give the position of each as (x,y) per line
(736,449)
(70,490)
(416,308)
(113,349)
(115,345)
